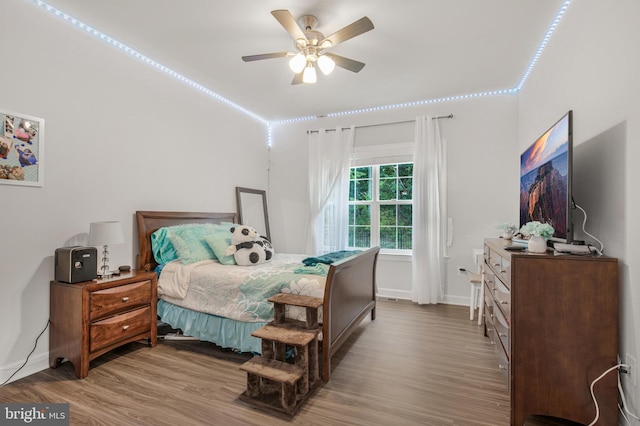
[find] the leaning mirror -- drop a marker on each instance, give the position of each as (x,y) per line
(252,209)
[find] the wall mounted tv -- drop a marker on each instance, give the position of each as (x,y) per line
(545,180)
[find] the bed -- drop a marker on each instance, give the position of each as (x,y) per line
(349,287)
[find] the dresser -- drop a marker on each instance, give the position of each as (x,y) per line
(94,317)
(553,321)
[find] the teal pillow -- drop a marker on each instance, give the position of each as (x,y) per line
(162,247)
(220,240)
(189,242)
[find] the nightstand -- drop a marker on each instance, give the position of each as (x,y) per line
(94,317)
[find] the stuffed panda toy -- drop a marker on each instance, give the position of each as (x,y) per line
(248,247)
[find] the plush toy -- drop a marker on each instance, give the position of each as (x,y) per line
(248,247)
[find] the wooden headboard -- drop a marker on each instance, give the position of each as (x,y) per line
(150,221)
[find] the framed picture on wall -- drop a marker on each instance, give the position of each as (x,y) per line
(21,149)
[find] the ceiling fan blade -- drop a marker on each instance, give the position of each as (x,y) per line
(265,56)
(358,27)
(289,23)
(297,78)
(346,63)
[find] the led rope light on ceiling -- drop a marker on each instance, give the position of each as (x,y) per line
(327,66)
(113,42)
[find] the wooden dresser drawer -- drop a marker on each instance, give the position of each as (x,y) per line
(119,299)
(107,331)
(501,266)
(502,330)
(503,363)
(502,297)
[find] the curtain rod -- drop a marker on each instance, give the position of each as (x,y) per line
(382,124)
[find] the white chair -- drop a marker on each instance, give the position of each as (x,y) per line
(476,283)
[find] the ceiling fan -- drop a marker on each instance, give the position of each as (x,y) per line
(311,44)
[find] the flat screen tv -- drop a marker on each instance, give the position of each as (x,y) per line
(545,180)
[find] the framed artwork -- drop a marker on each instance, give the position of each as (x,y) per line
(21,149)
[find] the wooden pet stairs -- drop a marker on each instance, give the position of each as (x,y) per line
(272,382)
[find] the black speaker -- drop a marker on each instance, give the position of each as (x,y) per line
(76,264)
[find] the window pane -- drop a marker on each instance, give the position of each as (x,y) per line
(406,189)
(363,190)
(389,170)
(360,236)
(388,189)
(388,237)
(404,238)
(388,215)
(363,214)
(361,172)
(405,215)
(405,170)
(352,189)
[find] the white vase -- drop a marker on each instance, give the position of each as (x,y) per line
(507,235)
(537,244)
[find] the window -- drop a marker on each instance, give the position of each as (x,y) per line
(380,206)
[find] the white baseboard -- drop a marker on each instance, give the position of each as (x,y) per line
(389,293)
(35,364)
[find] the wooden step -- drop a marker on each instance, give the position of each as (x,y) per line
(277,371)
(292,337)
(310,303)
(297,300)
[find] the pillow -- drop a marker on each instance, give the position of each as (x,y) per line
(188,241)
(219,241)
(162,247)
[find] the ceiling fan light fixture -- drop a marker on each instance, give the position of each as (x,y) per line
(297,63)
(326,64)
(309,75)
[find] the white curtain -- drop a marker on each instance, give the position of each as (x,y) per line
(429,212)
(329,162)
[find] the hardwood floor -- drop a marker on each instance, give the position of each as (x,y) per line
(413,365)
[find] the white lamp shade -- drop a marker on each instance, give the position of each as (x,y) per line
(105,233)
(309,75)
(326,64)
(297,63)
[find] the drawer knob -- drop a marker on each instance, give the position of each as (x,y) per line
(496,264)
(502,335)
(125,299)
(503,271)
(503,302)
(125,327)
(502,367)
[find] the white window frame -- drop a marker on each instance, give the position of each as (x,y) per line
(375,156)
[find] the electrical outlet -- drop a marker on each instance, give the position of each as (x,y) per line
(631,362)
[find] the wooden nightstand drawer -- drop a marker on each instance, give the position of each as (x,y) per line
(119,327)
(119,299)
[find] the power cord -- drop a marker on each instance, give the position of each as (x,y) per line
(625,408)
(624,402)
(584,222)
(30,353)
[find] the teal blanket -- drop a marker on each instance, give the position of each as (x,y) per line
(329,258)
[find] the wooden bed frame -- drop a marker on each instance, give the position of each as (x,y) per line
(350,289)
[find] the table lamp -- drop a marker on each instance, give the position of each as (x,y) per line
(103,234)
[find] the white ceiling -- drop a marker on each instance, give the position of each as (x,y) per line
(419,49)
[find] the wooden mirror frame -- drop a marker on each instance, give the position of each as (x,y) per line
(249,211)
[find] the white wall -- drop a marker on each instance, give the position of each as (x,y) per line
(482,178)
(120,137)
(592,66)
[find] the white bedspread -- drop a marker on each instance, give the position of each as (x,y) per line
(239,292)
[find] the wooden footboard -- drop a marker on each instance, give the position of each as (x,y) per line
(349,295)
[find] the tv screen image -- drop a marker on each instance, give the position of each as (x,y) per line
(545,179)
